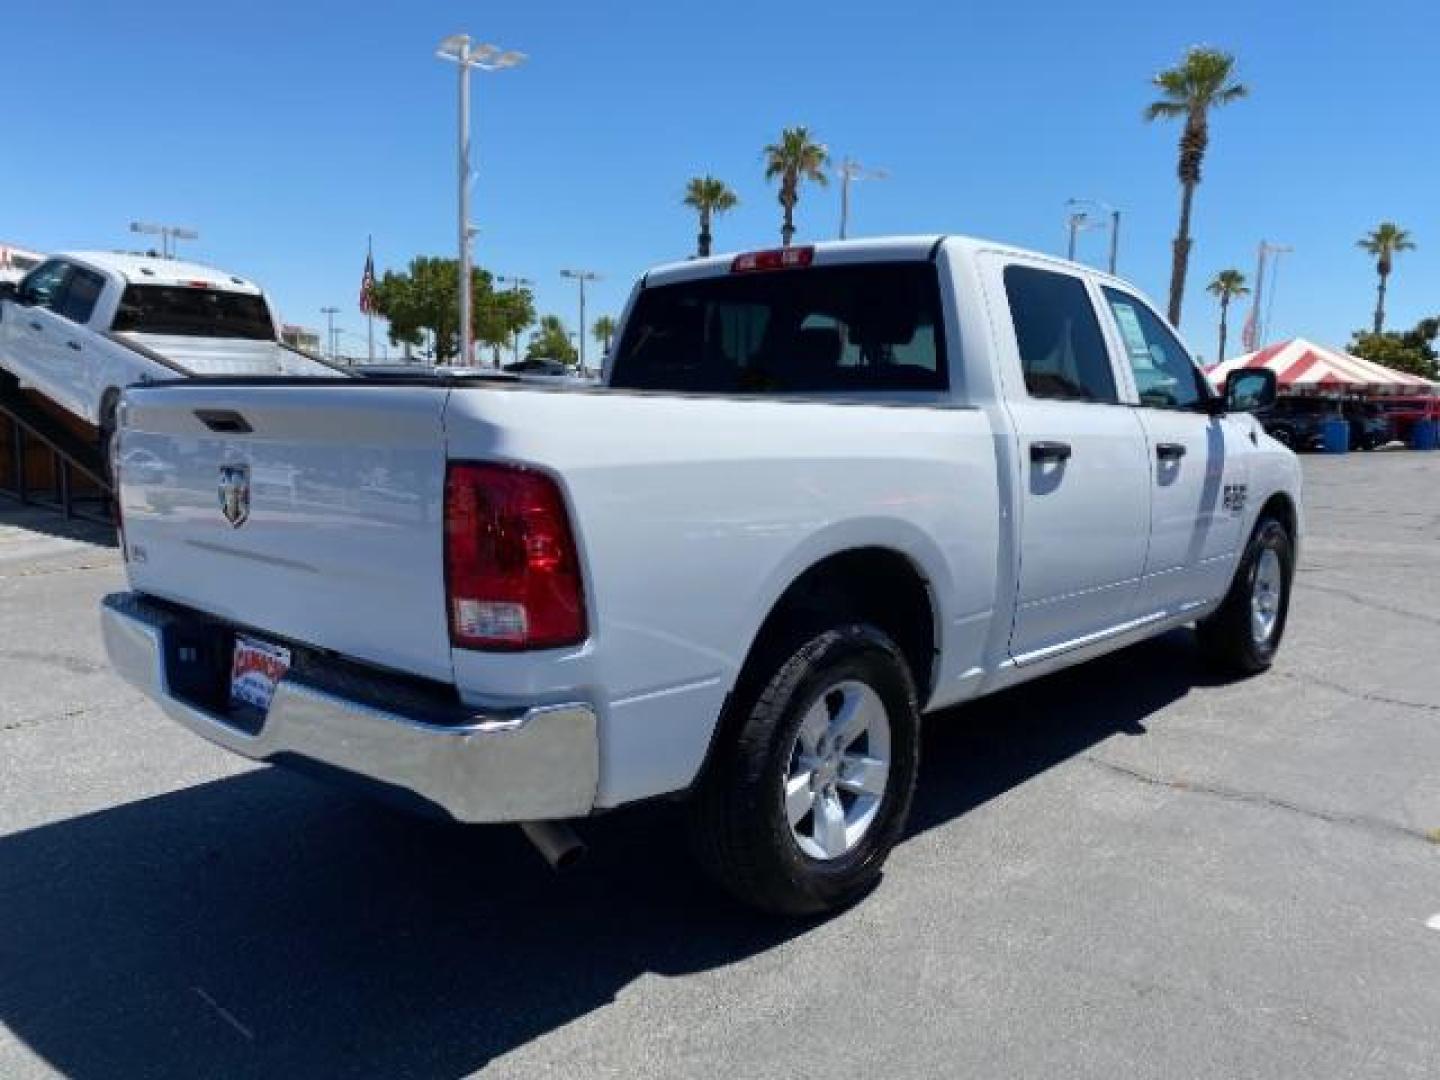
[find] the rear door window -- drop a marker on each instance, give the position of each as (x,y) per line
(817,329)
(1062,352)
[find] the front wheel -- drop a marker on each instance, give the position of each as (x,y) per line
(1243,635)
(811,790)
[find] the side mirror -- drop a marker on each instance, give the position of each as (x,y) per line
(1250,390)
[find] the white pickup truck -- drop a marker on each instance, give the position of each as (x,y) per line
(82,326)
(821,492)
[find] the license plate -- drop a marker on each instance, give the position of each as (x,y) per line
(256,670)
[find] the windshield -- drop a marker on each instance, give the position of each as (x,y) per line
(193,312)
(866,326)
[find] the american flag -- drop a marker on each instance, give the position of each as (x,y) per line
(367,285)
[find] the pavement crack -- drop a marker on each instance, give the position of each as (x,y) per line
(1259,798)
(1359,695)
(1374,605)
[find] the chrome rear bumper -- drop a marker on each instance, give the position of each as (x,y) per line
(525,765)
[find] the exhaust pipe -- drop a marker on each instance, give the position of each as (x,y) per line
(556,841)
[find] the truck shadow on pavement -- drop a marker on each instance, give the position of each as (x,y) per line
(264,925)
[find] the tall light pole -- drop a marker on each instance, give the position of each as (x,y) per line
(516,284)
(330,313)
(853,170)
(168,235)
(1257,325)
(1077,220)
(468,56)
(581,276)
(1086,214)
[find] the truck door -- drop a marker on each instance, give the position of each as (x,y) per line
(1197,466)
(1083,483)
(29,328)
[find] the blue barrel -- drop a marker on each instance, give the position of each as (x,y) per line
(1424,435)
(1335,435)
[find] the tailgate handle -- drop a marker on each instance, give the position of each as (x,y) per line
(225,421)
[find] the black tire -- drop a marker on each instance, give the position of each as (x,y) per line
(739,828)
(108,408)
(1229,637)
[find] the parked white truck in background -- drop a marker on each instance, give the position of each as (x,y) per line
(82,326)
(823,491)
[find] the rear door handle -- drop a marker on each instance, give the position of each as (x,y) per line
(74,345)
(1169,451)
(1049,451)
(35,325)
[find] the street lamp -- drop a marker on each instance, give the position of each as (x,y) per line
(468,56)
(853,170)
(516,284)
(581,276)
(1081,218)
(330,313)
(167,233)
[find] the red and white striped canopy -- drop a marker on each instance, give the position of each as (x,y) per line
(1301,365)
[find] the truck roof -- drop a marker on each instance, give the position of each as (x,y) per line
(153,270)
(870,249)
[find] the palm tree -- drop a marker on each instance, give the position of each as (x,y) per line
(1225,286)
(1384,243)
(794,159)
(1204,80)
(603,329)
(709,198)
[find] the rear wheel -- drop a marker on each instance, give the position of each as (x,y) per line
(811,789)
(1243,635)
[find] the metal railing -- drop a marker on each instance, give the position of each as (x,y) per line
(71,477)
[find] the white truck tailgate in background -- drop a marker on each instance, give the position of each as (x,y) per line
(342,547)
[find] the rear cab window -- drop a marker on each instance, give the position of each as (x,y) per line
(857,327)
(193,311)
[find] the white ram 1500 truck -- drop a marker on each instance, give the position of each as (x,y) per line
(821,492)
(82,326)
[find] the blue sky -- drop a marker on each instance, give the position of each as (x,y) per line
(287,132)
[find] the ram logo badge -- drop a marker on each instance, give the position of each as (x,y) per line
(235,494)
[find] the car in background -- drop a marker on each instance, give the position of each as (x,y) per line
(540,365)
(1405,411)
(1299,422)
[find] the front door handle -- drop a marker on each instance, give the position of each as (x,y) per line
(1169,451)
(1041,452)
(73,345)
(35,325)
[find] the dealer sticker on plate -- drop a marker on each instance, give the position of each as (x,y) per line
(256,670)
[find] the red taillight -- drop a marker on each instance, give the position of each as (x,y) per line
(774,259)
(512,570)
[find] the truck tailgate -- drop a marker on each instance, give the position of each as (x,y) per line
(333,534)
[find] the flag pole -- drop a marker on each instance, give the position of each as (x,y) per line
(370,307)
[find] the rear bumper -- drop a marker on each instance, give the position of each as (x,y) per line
(523,765)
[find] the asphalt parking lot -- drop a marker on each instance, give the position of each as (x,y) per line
(1125,870)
